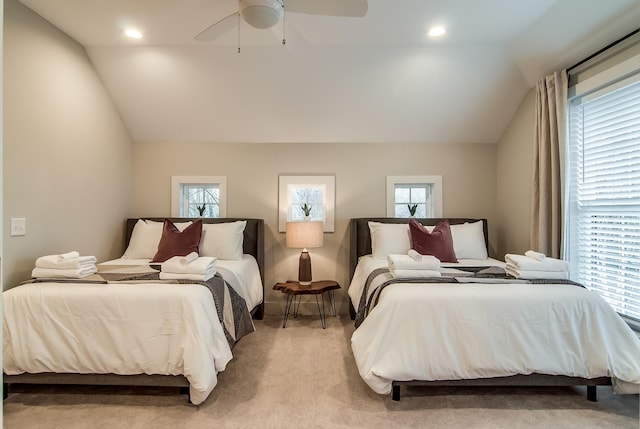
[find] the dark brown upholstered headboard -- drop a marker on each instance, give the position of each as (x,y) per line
(253,243)
(361,236)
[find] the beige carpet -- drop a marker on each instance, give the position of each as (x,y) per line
(305,377)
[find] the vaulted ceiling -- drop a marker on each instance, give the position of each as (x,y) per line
(376,78)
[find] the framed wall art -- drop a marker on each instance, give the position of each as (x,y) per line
(307,197)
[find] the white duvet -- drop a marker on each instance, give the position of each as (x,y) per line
(125,329)
(465,331)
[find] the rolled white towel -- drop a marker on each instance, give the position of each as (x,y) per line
(526,263)
(184,260)
(535,255)
(415,273)
(547,275)
(68,255)
(185,276)
(54,261)
(198,266)
(69,273)
(405,262)
(414,255)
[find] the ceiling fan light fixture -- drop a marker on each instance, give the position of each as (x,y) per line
(261,13)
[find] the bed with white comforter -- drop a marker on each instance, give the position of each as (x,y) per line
(87,329)
(422,331)
(132,327)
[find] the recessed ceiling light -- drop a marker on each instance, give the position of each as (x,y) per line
(437,31)
(132,33)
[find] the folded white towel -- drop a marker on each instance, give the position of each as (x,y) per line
(54,261)
(526,263)
(69,273)
(200,265)
(535,255)
(524,274)
(414,255)
(406,262)
(184,276)
(415,273)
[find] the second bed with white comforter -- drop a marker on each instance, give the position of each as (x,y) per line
(467,331)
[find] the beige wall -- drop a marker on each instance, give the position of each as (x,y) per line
(252,170)
(67,154)
(514,178)
(69,165)
(1,143)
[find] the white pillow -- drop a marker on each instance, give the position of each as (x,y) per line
(387,238)
(146,237)
(468,240)
(223,240)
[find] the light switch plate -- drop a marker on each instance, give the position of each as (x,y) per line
(18,226)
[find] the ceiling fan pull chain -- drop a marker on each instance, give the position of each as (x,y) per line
(284,27)
(239,31)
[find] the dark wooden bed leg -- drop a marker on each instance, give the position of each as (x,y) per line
(185,391)
(395,392)
(592,393)
(259,313)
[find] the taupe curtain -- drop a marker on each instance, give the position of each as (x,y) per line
(548,168)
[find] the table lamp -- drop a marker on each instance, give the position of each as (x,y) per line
(306,234)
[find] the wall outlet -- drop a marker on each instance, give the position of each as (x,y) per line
(18,226)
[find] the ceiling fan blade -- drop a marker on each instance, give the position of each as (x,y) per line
(216,30)
(349,8)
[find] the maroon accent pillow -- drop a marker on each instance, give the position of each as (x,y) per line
(178,243)
(438,242)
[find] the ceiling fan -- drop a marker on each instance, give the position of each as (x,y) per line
(267,13)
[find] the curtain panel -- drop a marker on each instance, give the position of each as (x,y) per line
(548,159)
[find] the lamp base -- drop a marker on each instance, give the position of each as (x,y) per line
(304,269)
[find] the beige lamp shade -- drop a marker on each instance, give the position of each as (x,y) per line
(304,235)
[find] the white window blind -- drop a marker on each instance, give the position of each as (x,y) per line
(603,241)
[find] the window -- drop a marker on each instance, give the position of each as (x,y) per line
(603,192)
(306,199)
(316,193)
(200,199)
(413,199)
(198,196)
(422,192)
